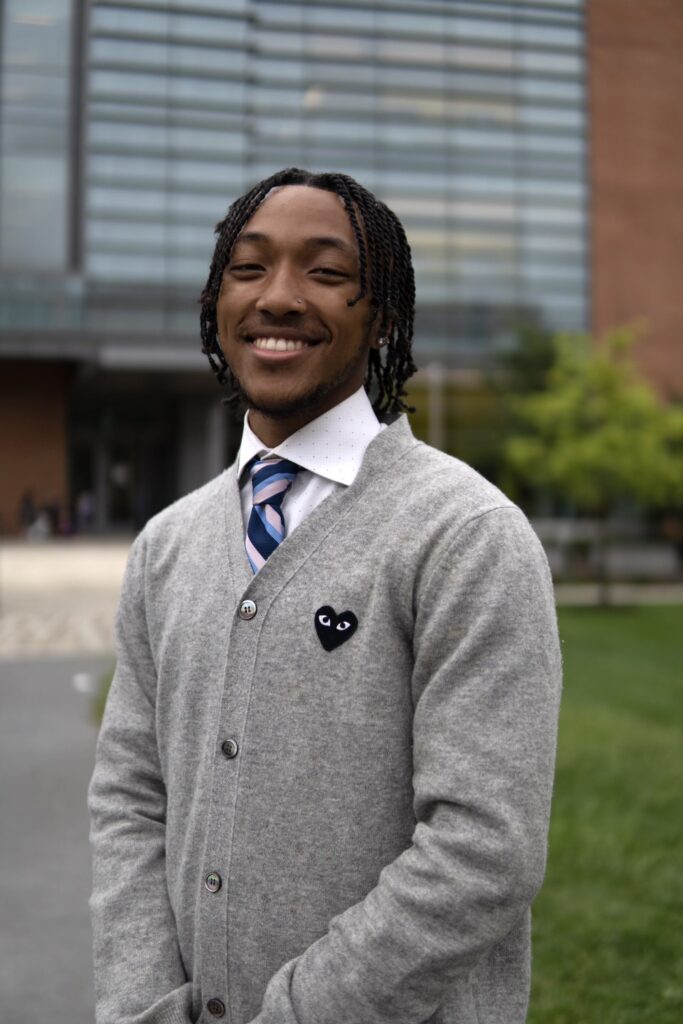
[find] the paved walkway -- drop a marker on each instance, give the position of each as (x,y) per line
(59,597)
(47,743)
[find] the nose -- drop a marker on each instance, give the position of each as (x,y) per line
(281,293)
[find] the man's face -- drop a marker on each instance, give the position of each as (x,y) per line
(287,333)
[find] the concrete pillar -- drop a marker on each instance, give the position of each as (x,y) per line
(202,447)
(101,463)
(215,439)
(436,418)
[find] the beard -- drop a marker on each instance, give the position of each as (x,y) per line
(299,403)
(285,407)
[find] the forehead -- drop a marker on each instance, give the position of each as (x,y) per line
(294,212)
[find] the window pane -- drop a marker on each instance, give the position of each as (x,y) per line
(34,134)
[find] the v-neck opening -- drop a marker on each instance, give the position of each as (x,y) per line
(384,449)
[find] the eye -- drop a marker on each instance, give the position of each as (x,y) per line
(245,268)
(330,272)
(342,625)
(324,620)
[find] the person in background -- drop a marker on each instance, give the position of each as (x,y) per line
(27,512)
(323,778)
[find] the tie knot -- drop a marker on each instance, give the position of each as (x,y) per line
(271,479)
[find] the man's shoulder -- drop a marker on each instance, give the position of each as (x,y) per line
(417,475)
(453,508)
(442,481)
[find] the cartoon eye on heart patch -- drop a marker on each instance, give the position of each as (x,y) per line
(333,629)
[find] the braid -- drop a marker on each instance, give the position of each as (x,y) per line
(386,274)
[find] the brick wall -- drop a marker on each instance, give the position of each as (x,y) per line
(635,54)
(33,448)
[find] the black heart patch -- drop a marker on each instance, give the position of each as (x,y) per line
(333,629)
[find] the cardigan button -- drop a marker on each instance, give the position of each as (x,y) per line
(213,881)
(216,1008)
(247,609)
(229,748)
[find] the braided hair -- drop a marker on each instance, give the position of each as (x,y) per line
(386,273)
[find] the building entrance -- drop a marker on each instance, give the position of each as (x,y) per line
(135,445)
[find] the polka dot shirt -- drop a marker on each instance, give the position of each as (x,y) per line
(329,449)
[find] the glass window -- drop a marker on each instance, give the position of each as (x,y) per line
(550,35)
(126,201)
(167,24)
(138,236)
(556,242)
(127,167)
(35,134)
(139,23)
(125,84)
(217,5)
(556,63)
(139,138)
(231,31)
(126,267)
(136,53)
(469,118)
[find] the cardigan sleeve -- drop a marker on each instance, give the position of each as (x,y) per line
(486,685)
(139,974)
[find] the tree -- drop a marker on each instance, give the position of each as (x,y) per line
(598,433)
(525,366)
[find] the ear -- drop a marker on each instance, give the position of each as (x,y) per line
(380,339)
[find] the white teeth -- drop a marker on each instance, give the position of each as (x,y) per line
(278,345)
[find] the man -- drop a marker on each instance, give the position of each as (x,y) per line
(324,773)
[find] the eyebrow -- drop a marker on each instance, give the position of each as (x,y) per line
(318,242)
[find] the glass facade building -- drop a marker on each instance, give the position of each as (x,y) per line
(128,127)
(467,118)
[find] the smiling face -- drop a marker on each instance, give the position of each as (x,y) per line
(285,327)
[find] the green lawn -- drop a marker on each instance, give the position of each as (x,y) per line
(608,925)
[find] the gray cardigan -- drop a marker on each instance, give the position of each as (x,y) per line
(289,834)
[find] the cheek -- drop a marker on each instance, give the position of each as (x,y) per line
(221,303)
(359,325)
(228,306)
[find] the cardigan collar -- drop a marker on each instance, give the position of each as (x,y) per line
(384,450)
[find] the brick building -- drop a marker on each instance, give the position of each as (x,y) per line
(635,122)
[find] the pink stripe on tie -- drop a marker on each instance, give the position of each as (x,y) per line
(255,555)
(276,487)
(274,519)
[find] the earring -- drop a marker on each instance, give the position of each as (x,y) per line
(382,342)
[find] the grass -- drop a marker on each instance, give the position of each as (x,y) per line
(99,698)
(608,925)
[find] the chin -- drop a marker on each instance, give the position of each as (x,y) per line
(286,406)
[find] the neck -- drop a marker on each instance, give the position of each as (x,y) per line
(273,431)
(274,428)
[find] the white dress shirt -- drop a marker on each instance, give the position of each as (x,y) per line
(329,449)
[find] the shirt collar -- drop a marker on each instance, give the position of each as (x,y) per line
(332,446)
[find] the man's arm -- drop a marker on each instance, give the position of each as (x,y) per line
(487,679)
(139,975)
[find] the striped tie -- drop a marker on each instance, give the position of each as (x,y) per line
(270,480)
